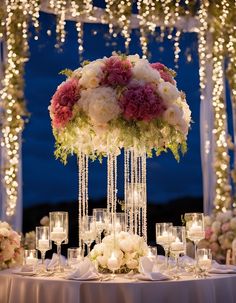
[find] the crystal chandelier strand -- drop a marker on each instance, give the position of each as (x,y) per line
(111,185)
(83,191)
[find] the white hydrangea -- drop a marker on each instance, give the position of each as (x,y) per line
(100,104)
(91,74)
(144,72)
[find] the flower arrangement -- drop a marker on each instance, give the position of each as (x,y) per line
(119,102)
(10,247)
(220,233)
(128,249)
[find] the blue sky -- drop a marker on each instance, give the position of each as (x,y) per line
(48,180)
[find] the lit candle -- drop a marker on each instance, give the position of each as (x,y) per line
(177,245)
(58,234)
(43,243)
(113,262)
(204,262)
(164,238)
(31,260)
(196,230)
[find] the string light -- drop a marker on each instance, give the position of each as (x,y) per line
(222,200)
(202,44)
(11,95)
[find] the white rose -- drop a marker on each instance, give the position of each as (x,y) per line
(4,232)
(44,221)
(91,74)
(168,92)
(143,71)
(216,226)
(172,115)
(102,261)
(133,58)
(233,223)
(126,245)
(213,237)
(123,235)
(100,104)
(132,263)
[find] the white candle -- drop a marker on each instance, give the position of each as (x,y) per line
(113,262)
(196,231)
(204,262)
(43,244)
(164,238)
(57,234)
(177,245)
(30,260)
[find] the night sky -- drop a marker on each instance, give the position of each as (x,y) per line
(48,180)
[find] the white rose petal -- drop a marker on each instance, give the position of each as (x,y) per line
(168,92)
(143,71)
(100,104)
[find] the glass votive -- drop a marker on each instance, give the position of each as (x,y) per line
(74,256)
(204,259)
(30,257)
(152,253)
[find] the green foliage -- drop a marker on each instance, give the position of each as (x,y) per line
(67,72)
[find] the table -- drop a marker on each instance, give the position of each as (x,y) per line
(24,289)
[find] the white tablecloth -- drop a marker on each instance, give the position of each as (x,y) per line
(22,289)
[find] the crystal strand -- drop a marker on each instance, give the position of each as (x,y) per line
(144,208)
(79,197)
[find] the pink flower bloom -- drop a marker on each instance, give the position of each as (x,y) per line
(141,103)
(164,72)
(116,72)
(214,247)
(63,101)
(208,233)
(225,227)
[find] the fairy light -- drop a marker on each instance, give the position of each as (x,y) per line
(202,44)
(231,73)
(124,9)
(222,198)
(177,49)
(10,95)
(60,10)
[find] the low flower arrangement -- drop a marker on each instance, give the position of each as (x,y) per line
(119,102)
(220,233)
(11,252)
(127,248)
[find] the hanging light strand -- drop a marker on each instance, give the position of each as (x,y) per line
(11,97)
(222,200)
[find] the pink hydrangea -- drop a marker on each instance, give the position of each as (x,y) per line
(63,101)
(116,72)
(141,103)
(163,71)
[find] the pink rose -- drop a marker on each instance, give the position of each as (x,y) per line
(225,227)
(116,72)
(164,72)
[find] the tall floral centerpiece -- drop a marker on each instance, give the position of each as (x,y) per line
(120,102)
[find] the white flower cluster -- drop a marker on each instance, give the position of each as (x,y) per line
(128,249)
(10,249)
(220,233)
